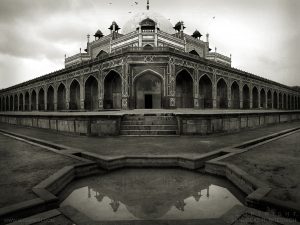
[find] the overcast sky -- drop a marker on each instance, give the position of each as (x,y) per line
(263,36)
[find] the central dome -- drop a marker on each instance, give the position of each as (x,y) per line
(162,23)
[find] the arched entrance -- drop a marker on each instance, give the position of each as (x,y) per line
(148,91)
(50,99)
(275,105)
(254,98)
(269,98)
(21,102)
(74,95)
(16,103)
(61,97)
(91,94)
(222,101)
(284,102)
(11,103)
(235,95)
(205,92)
(33,100)
(184,90)
(112,91)
(41,105)
(246,97)
(7,103)
(27,101)
(280,101)
(262,98)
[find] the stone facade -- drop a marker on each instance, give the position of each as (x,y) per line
(148,68)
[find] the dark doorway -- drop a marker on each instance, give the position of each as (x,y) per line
(148,101)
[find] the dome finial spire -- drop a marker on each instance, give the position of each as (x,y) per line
(148,5)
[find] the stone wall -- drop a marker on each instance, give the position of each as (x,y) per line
(197,124)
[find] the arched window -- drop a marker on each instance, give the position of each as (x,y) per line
(184,90)
(222,101)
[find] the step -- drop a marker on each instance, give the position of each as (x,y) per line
(148,127)
(154,122)
(148,132)
(148,118)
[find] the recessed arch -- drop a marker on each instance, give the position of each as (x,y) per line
(205,92)
(50,98)
(41,104)
(280,101)
(184,71)
(112,90)
(235,95)
(246,97)
(263,103)
(21,102)
(148,89)
(275,100)
(284,101)
(194,52)
(255,98)
(184,89)
(74,95)
(33,100)
(1,109)
(27,105)
(147,47)
(91,93)
(222,100)
(16,107)
(102,53)
(269,99)
(61,97)
(11,103)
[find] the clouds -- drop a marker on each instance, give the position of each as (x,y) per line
(263,36)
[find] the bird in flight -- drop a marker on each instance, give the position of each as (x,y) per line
(136,3)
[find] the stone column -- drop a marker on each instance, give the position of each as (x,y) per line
(82,94)
(37,100)
(259,100)
(196,94)
(67,106)
(100,91)
(55,97)
(229,98)
(29,102)
(45,98)
(241,96)
(278,106)
(214,91)
(272,99)
(251,96)
(24,104)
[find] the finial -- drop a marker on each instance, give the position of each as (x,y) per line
(230,56)
(148,5)
(207,37)
(215,49)
(80,50)
(88,38)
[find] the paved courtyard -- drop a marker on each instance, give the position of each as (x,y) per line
(178,145)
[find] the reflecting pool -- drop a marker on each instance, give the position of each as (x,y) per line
(151,194)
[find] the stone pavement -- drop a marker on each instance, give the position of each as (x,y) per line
(179,145)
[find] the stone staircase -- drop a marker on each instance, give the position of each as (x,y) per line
(149,125)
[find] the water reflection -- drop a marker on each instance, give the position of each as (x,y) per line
(132,194)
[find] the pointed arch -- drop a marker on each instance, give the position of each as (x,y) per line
(7,103)
(112,90)
(284,101)
(61,97)
(33,100)
(11,103)
(246,97)
(75,95)
(194,52)
(91,93)
(263,103)
(21,102)
(280,106)
(184,89)
(41,105)
(50,98)
(27,106)
(222,100)
(16,107)
(269,99)
(235,95)
(255,98)
(275,100)
(102,53)
(205,92)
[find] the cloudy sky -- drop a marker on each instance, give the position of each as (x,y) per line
(263,36)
